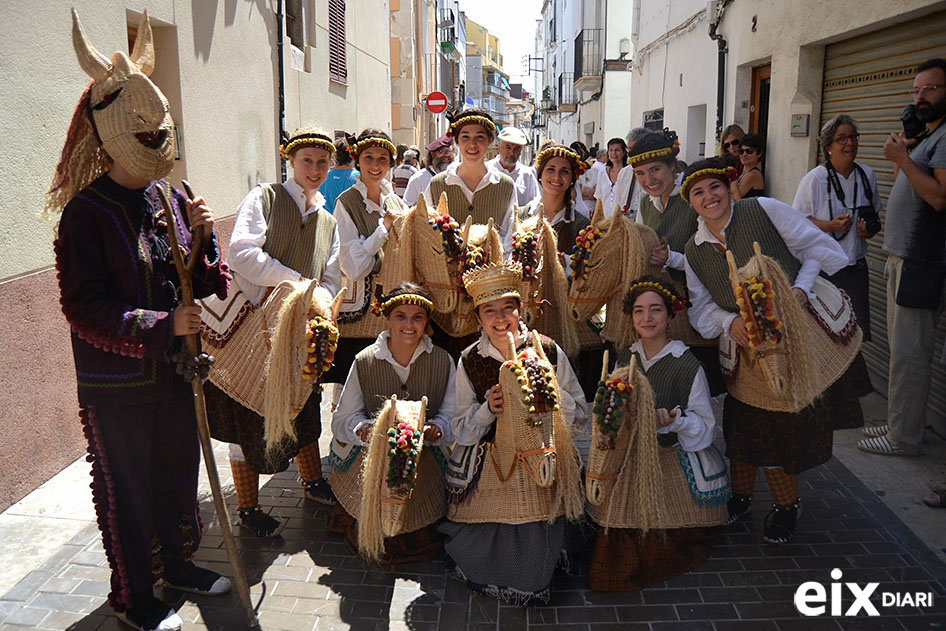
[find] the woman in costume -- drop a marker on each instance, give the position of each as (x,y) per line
(266,249)
(750,182)
(472,189)
(366,213)
(496,551)
(785,443)
(118,285)
(627,559)
(403,361)
(607,187)
(841,198)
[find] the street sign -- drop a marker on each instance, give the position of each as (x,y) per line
(436,102)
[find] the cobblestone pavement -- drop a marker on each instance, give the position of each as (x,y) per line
(308,579)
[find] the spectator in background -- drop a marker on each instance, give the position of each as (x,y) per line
(730,141)
(606,190)
(511,142)
(750,182)
(628,193)
(915,239)
(841,198)
(404,172)
(340,177)
(439,156)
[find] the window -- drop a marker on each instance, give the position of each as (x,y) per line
(654,120)
(295,23)
(337,63)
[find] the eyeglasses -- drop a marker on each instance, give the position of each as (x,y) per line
(843,140)
(748,150)
(731,143)
(924,90)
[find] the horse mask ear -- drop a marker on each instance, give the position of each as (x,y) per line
(142,55)
(598,215)
(443,208)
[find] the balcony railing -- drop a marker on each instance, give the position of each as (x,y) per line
(588,53)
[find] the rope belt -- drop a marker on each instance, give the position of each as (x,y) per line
(616,289)
(601,476)
(520,456)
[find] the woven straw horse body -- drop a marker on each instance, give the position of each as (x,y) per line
(631,481)
(796,350)
(531,468)
(392,502)
(544,285)
(614,252)
(414,253)
(263,363)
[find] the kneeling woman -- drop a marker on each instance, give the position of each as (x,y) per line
(514,471)
(403,361)
(692,474)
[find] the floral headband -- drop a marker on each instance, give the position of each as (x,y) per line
(655,154)
(676,302)
(560,152)
(306,140)
(728,173)
(371,141)
(475,118)
(385,308)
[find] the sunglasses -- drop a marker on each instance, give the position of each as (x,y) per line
(731,143)
(748,150)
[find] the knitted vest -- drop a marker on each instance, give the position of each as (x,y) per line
(671,379)
(366,223)
(749,223)
(483,372)
(304,247)
(487,202)
(676,224)
(428,377)
(568,232)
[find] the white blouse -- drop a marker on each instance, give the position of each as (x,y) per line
(357,252)
(676,259)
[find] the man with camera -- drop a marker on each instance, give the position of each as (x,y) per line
(915,239)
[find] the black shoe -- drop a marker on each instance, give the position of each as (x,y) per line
(739,506)
(150,614)
(197,580)
(259,523)
(319,491)
(780,522)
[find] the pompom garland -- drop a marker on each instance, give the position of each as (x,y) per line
(371,141)
(524,251)
(677,303)
(608,409)
(584,242)
(757,308)
(729,173)
(535,378)
(466,120)
(306,140)
(322,342)
(545,155)
(384,308)
(403,451)
(450,233)
(655,154)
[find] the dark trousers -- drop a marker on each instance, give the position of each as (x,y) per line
(145,460)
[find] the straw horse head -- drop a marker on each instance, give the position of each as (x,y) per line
(544,284)
(532,432)
(608,256)
(623,449)
(478,245)
(779,356)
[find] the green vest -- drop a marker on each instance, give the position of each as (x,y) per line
(675,225)
(749,223)
(567,232)
(366,223)
(491,201)
(303,247)
(428,377)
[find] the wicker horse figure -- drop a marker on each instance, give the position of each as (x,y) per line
(406,255)
(476,245)
(530,469)
(609,254)
(795,351)
(544,284)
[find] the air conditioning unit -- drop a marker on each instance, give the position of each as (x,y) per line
(589,128)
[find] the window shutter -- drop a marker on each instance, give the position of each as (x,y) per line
(337,63)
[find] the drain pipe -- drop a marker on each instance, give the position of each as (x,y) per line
(722,48)
(282,84)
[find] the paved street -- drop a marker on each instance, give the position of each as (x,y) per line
(309,580)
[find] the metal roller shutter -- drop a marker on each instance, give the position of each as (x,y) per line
(868,77)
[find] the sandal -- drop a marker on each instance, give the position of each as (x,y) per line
(739,506)
(936,498)
(319,491)
(884,446)
(875,431)
(780,522)
(259,523)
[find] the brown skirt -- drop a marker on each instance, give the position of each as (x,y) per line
(624,560)
(425,544)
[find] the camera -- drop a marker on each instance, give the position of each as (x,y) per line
(870,217)
(912,126)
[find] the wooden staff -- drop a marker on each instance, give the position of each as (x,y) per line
(184,272)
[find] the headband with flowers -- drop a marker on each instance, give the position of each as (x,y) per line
(385,308)
(677,303)
(560,152)
(306,140)
(728,173)
(473,118)
(371,141)
(656,154)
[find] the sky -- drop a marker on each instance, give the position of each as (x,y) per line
(513,22)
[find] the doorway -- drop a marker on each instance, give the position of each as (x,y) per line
(759,100)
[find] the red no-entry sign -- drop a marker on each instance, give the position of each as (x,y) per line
(436,102)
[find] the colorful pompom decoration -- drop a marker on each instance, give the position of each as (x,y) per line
(403,443)
(535,379)
(524,246)
(757,308)
(608,409)
(450,233)
(584,242)
(321,344)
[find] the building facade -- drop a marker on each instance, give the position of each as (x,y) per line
(219,66)
(487,82)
